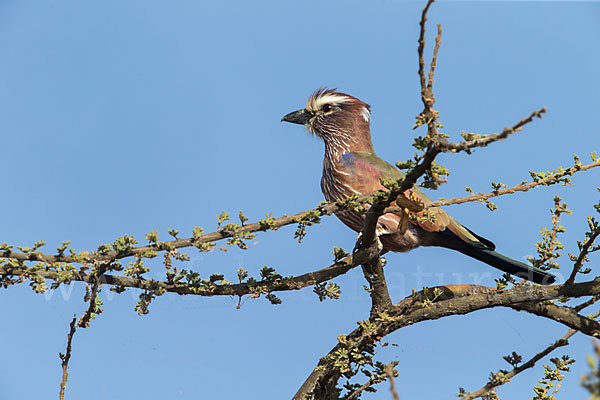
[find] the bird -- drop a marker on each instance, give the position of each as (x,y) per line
(351,167)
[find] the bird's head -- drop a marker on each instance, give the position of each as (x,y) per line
(337,118)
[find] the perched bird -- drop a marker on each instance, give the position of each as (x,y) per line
(351,167)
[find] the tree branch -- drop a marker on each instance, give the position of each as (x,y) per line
(438,42)
(485,390)
(275,224)
(380,295)
(389,371)
(565,315)
(84,322)
(293,283)
(506,377)
(66,357)
(483,141)
(585,249)
(550,179)
(420,51)
(359,390)
(325,210)
(455,300)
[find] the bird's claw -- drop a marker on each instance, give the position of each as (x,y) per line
(359,244)
(379,245)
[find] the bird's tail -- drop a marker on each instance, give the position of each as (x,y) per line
(509,265)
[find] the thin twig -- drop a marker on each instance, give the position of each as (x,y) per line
(359,390)
(421,42)
(518,188)
(84,322)
(483,141)
(586,304)
(554,234)
(550,179)
(438,42)
(485,390)
(96,276)
(582,256)
(66,357)
(389,371)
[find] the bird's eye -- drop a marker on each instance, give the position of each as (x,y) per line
(327,107)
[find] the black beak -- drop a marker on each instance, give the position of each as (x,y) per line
(297,117)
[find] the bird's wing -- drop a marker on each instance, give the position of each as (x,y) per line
(433,219)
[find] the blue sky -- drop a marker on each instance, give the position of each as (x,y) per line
(127,117)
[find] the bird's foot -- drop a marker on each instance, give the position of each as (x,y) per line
(359,244)
(379,245)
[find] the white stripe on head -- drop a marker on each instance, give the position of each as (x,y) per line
(366,114)
(322,97)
